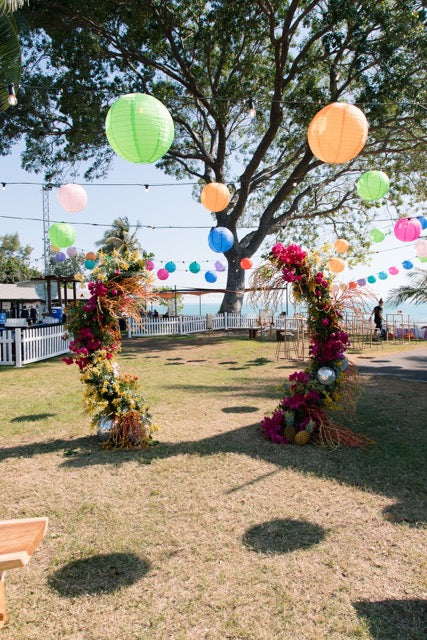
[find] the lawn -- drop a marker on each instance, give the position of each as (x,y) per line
(215,533)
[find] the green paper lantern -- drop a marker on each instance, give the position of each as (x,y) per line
(376,235)
(373,185)
(139,128)
(62,234)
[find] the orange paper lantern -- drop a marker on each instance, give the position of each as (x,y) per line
(336,265)
(215,196)
(246,263)
(352,285)
(91,256)
(341,245)
(338,133)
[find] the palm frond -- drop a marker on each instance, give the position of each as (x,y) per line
(415,292)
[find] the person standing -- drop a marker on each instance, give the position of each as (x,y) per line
(33,315)
(377,312)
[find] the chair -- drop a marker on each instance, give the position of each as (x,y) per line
(18,541)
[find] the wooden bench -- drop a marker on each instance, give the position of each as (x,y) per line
(18,541)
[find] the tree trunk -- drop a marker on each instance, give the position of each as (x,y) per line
(233,298)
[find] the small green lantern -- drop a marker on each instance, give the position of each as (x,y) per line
(62,234)
(373,185)
(139,128)
(376,235)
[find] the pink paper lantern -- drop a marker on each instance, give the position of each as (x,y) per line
(393,271)
(72,197)
(149,265)
(163,274)
(421,249)
(219,266)
(407,229)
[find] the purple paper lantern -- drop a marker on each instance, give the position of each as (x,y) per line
(163,274)
(220,239)
(219,266)
(361,282)
(60,257)
(407,229)
(72,252)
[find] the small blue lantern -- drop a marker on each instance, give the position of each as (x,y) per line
(382,275)
(60,257)
(89,264)
(220,239)
(372,279)
(407,264)
(170,266)
(423,222)
(210,276)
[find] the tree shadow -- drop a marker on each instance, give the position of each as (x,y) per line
(33,417)
(283,536)
(243,409)
(395,619)
(104,573)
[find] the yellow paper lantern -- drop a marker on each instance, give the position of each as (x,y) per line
(336,265)
(338,133)
(215,196)
(341,245)
(54,248)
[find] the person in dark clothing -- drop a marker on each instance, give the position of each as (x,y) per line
(33,315)
(377,312)
(25,313)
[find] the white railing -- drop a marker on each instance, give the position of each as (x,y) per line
(23,346)
(189,324)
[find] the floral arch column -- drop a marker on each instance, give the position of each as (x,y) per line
(301,415)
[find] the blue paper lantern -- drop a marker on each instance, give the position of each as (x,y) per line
(170,266)
(210,276)
(371,279)
(60,257)
(407,264)
(220,239)
(89,264)
(422,221)
(382,275)
(194,267)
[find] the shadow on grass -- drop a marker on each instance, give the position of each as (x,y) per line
(244,409)
(283,536)
(33,417)
(98,574)
(394,467)
(387,619)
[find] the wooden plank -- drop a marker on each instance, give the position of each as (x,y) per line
(18,541)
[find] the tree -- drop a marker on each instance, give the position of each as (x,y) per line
(119,237)
(15,260)
(205,61)
(415,292)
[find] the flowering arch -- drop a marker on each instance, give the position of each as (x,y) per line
(121,285)
(302,413)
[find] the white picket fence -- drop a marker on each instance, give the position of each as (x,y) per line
(182,325)
(23,346)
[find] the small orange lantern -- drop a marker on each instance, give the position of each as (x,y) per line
(91,256)
(341,245)
(246,263)
(54,248)
(336,265)
(338,133)
(215,196)
(352,285)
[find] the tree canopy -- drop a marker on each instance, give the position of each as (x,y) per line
(15,260)
(206,61)
(119,237)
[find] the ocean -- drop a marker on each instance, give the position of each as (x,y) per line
(417,313)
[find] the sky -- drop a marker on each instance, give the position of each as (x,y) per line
(169,204)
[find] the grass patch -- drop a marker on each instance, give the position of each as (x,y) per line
(215,533)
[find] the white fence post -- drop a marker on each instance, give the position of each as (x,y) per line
(225,321)
(180,325)
(18,348)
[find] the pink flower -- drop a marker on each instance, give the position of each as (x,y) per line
(325,322)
